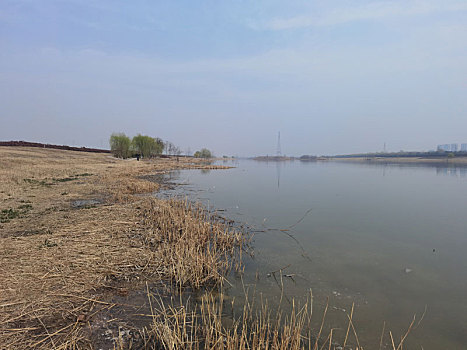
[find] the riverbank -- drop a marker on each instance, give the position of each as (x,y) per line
(79,229)
(91,259)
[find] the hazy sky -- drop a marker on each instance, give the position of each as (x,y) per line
(331,76)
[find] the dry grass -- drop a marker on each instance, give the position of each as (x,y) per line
(194,248)
(57,261)
(206,325)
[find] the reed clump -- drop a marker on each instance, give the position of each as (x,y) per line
(211,323)
(207,325)
(194,248)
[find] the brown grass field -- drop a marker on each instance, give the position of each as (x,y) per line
(80,230)
(76,225)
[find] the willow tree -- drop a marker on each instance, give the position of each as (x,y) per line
(147,146)
(120,145)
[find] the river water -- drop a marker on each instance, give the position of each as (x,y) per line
(390,238)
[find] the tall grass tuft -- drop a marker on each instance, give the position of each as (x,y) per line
(193,248)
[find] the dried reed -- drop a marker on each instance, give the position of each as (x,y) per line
(206,324)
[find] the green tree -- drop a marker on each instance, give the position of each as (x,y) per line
(120,145)
(204,153)
(147,146)
(159,146)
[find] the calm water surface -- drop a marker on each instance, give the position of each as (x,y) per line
(392,239)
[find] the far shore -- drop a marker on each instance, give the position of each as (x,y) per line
(462,161)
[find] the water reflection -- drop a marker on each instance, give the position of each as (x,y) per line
(441,168)
(278,173)
(456,172)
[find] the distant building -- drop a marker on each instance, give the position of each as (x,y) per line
(453,147)
(464,147)
(444,148)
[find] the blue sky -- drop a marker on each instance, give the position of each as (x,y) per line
(331,76)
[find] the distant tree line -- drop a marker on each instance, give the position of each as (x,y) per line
(307,158)
(145,146)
